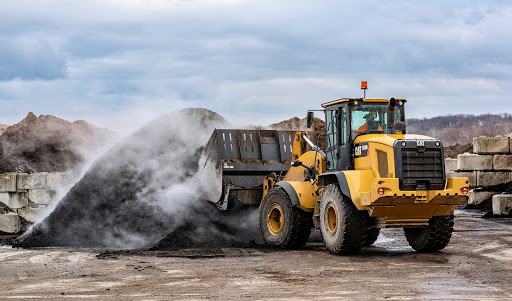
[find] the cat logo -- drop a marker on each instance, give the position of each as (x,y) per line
(361,150)
(420,143)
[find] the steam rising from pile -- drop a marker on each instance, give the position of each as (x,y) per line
(144,188)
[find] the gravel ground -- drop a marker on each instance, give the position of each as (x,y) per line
(475,266)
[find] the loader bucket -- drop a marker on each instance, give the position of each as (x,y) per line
(235,162)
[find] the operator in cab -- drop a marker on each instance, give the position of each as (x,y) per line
(370,125)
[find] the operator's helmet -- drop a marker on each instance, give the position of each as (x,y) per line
(371,124)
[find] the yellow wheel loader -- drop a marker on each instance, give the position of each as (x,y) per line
(371,175)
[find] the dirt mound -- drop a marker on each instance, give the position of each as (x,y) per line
(3,128)
(297,124)
(136,193)
(49,144)
(453,150)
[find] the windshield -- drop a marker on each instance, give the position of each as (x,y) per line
(371,118)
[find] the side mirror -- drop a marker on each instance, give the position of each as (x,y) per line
(309,119)
(399,126)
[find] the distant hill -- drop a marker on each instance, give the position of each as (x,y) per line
(461,128)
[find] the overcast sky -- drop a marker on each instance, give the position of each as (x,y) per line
(120,63)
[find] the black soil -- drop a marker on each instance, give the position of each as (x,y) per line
(137,192)
(211,229)
(47,143)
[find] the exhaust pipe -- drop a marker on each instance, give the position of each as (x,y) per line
(391,115)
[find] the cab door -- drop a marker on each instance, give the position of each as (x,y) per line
(331,138)
(345,159)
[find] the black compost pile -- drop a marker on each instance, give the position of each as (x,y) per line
(212,228)
(138,192)
(47,143)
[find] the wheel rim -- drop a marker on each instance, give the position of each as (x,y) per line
(330,219)
(275,219)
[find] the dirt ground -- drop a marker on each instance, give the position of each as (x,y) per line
(475,266)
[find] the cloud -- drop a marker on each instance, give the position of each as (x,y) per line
(251,61)
(30,58)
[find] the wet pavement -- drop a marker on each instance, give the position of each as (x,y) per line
(476,265)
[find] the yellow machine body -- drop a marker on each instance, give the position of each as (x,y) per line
(392,207)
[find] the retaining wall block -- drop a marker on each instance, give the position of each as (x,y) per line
(477,197)
(491,178)
(502,162)
(8,182)
(59,179)
(42,196)
(471,175)
(502,204)
(450,164)
(32,181)
(9,222)
(491,145)
(14,200)
(469,161)
(30,214)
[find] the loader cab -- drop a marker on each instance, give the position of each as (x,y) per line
(347,119)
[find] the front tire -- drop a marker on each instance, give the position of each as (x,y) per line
(432,238)
(344,229)
(373,234)
(281,224)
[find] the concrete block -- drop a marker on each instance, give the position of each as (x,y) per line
(14,200)
(491,145)
(450,164)
(502,204)
(31,214)
(491,178)
(468,161)
(8,182)
(9,223)
(59,179)
(32,181)
(502,162)
(471,175)
(477,197)
(42,196)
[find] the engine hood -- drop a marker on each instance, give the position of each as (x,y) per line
(389,140)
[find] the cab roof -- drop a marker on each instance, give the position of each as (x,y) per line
(327,104)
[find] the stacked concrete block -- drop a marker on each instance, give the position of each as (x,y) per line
(450,164)
(478,197)
(492,162)
(502,204)
(14,200)
(41,196)
(468,161)
(491,178)
(9,223)
(490,165)
(491,145)
(32,181)
(502,162)
(59,179)
(8,182)
(27,195)
(31,214)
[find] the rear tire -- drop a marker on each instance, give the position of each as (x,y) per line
(281,224)
(432,238)
(373,234)
(344,229)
